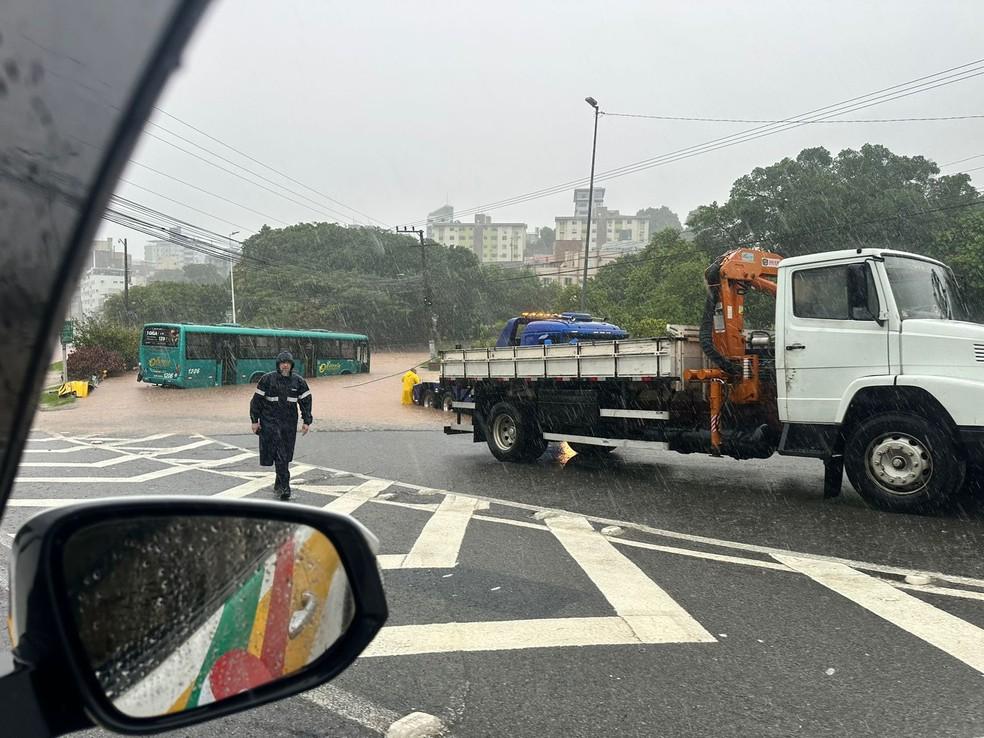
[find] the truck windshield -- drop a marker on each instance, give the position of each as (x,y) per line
(924,290)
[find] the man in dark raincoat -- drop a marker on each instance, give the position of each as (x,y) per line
(273,411)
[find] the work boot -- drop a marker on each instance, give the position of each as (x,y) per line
(285,492)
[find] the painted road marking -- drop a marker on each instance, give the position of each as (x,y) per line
(352,707)
(111,461)
(651,613)
(439,542)
(947,632)
(352,500)
(247,488)
(44,502)
(508,635)
(139,479)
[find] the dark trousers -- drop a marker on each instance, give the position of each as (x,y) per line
(283,473)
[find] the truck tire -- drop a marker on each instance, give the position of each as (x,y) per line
(589,449)
(428,399)
(447,403)
(513,435)
(903,463)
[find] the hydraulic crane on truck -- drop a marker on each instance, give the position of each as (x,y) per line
(738,376)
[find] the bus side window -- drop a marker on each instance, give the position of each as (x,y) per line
(348,350)
(247,347)
(199,346)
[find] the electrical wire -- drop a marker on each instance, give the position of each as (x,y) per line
(757,120)
(887,94)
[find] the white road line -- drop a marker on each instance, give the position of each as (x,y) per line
(352,707)
(356,497)
(139,479)
(176,449)
(644,605)
(154,437)
(735,545)
(438,544)
(947,632)
(69,450)
(507,635)
(213,463)
(328,490)
(390,561)
(945,591)
(112,461)
(247,488)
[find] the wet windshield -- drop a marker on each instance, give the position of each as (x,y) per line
(735,519)
(925,290)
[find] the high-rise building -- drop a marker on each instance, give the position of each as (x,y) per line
(444,214)
(491,242)
(581,200)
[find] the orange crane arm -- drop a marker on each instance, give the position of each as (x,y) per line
(731,277)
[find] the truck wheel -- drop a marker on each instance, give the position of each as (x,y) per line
(447,403)
(513,435)
(903,463)
(428,400)
(589,449)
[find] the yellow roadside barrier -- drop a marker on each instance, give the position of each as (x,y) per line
(79,388)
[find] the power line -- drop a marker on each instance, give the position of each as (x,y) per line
(315,206)
(887,94)
(186,205)
(758,120)
(960,161)
(265,166)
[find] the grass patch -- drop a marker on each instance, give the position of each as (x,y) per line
(50,399)
(56,367)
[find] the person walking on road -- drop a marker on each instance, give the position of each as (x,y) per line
(410,379)
(273,412)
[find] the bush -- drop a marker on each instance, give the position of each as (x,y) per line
(104,333)
(94,360)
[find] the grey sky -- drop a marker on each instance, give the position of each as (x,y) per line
(392,107)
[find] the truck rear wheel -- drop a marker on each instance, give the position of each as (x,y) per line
(513,435)
(903,463)
(429,400)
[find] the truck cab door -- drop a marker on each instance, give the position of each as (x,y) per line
(830,332)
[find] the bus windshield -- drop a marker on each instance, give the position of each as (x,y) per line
(924,290)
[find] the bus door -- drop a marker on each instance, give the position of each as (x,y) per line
(227,358)
(310,360)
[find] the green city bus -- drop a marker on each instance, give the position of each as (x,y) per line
(184,355)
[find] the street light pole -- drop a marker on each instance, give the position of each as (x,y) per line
(587,238)
(232,280)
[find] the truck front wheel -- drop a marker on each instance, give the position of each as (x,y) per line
(513,435)
(903,463)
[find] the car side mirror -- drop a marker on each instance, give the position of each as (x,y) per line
(858,293)
(161,613)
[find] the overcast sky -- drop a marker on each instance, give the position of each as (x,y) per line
(394,108)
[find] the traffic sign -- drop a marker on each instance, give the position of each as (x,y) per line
(68,332)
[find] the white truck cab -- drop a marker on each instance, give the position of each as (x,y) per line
(872,342)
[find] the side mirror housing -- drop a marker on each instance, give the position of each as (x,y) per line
(151,614)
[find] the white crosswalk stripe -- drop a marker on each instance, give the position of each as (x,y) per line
(641,610)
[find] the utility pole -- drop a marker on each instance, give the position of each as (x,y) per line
(126,282)
(428,299)
(232,280)
(587,238)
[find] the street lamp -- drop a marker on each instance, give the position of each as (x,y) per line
(587,238)
(232,279)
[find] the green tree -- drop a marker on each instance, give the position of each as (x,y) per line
(371,281)
(817,202)
(170,302)
(203,274)
(115,337)
(660,218)
(960,244)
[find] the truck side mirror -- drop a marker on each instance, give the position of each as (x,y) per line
(858,292)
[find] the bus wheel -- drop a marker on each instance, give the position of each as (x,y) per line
(346,372)
(513,435)
(255,377)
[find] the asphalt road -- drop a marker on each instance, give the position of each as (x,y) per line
(644,594)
